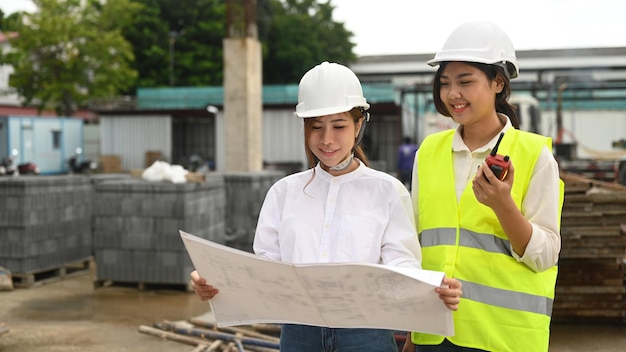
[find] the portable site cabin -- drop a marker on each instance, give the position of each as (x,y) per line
(46,141)
(182,121)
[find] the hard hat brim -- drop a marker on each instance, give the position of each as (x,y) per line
(436,61)
(328,111)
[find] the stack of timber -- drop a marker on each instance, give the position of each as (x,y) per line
(591,284)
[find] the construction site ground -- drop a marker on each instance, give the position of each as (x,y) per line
(72,314)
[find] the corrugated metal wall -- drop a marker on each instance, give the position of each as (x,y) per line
(131,137)
(380,141)
(283,137)
(91,137)
(193,136)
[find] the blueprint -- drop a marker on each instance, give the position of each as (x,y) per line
(255,290)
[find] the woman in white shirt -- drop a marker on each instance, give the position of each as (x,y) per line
(338,211)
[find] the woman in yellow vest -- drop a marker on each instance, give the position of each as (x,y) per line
(495,229)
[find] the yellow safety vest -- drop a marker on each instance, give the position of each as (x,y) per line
(505,305)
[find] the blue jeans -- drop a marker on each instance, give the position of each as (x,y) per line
(304,338)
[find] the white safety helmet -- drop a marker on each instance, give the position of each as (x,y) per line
(481,42)
(329,88)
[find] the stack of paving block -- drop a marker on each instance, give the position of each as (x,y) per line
(245,194)
(137,223)
(591,282)
(45,222)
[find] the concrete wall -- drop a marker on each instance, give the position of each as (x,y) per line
(243,105)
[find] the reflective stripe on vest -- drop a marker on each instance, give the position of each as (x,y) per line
(505,305)
(481,293)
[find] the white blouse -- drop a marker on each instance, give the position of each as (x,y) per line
(364,216)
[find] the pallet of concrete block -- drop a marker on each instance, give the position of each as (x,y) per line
(51,274)
(191,177)
(144,285)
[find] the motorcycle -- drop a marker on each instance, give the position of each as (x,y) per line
(85,166)
(197,164)
(8,167)
(28,169)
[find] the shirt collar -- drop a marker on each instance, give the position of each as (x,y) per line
(458,145)
(324,175)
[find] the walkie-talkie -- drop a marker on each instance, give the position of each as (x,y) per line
(499,164)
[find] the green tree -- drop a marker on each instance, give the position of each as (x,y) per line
(178,42)
(301,34)
(10,23)
(295,35)
(69,51)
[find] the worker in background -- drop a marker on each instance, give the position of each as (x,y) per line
(406,158)
(338,211)
(499,237)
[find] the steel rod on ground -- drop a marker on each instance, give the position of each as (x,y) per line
(215,335)
(248,332)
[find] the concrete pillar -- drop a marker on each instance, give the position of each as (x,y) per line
(243,104)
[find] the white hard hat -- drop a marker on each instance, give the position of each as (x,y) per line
(329,88)
(479,41)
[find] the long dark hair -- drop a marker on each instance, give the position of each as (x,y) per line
(492,72)
(356,114)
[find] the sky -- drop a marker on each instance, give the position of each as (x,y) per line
(383,27)
(421,26)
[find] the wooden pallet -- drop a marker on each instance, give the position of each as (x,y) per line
(51,274)
(143,286)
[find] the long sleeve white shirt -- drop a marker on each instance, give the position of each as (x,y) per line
(540,206)
(364,216)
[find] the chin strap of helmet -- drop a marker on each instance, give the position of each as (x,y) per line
(506,69)
(348,161)
(344,164)
(366,117)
